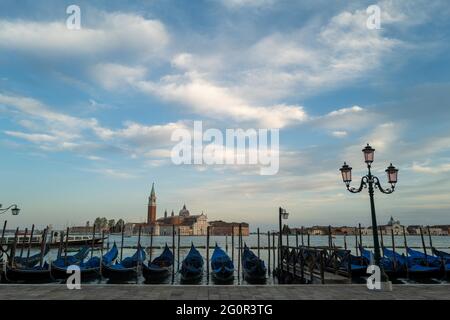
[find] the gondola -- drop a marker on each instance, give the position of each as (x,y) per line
(404,266)
(76,258)
(358,265)
(222,267)
(253,267)
(125,269)
(422,258)
(192,266)
(40,273)
(36,274)
(160,267)
(31,261)
(88,269)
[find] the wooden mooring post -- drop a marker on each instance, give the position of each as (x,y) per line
(178,250)
(151,245)
(93,241)
(23,242)
(65,246)
(121,241)
(259,256)
(207,255)
(173,250)
(268,252)
(29,242)
(232,244)
(274,251)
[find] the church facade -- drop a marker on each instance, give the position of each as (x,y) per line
(184,223)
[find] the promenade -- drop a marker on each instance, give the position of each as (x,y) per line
(178,292)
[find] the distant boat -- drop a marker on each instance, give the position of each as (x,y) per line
(160,267)
(221,265)
(254,268)
(125,269)
(73,240)
(88,269)
(192,266)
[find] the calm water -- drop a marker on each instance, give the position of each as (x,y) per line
(130,244)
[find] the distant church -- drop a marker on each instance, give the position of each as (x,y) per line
(185,223)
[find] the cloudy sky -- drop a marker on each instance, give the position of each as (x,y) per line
(86,115)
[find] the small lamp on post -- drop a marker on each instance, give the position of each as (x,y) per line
(14,209)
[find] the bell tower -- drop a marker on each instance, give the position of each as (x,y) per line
(151,213)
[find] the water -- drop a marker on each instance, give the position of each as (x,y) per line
(130,243)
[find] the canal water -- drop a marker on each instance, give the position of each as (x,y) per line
(130,243)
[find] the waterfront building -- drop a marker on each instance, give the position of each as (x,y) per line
(222,228)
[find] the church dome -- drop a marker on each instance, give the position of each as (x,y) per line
(184,212)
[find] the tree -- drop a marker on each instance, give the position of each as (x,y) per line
(111,224)
(119,225)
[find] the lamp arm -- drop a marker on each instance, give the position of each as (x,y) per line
(4,210)
(378,186)
(364,181)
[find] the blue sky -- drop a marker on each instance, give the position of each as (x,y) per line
(86,115)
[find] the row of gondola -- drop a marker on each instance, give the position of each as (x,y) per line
(34,269)
(412,264)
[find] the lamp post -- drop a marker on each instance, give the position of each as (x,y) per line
(14,209)
(371,182)
(282,214)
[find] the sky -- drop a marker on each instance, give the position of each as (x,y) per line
(86,116)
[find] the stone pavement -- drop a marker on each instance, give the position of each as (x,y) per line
(178,292)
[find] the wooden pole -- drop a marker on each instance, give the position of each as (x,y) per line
(345,241)
(360,235)
(381,236)
(258,244)
(207,255)
(93,241)
(393,248)
(43,241)
(151,244)
(429,237)
(121,245)
(268,252)
(101,251)
(239,255)
(274,251)
(423,245)
(3,233)
(232,244)
(23,242)
(296,237)
(173,250)
(61,240)
(303,243)
(309,243)
(65,247)
(356,242)
(330,241)
(406,250)
(226,243)
(178,250)
(12,253)
(139,235)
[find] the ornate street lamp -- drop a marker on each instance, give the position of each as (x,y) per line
(371,182)
(14,209)
(282,214)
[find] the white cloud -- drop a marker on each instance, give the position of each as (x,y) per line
(443,168)
(110,33)
(112,75)
(210,100)
(339,134)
